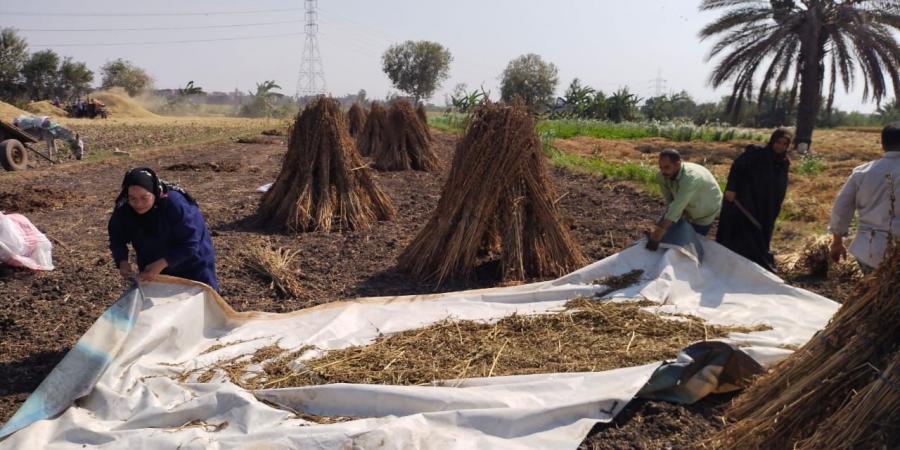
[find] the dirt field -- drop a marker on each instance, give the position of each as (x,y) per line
(42,315)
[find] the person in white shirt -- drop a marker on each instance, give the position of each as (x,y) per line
(872,191)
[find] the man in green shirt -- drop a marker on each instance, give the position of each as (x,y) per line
(691,192)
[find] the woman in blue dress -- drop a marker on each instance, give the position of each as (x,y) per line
(165,227)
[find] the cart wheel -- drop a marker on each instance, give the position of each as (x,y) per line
(13,155)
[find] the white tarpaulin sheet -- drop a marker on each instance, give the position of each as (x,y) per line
(147,340)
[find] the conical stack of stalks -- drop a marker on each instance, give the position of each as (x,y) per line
(423,117)
(373,136)
(356,119)
(497,199)
(813,399)
(323,182)
(408,145)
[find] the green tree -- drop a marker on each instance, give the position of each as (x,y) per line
(657,108)
(889,113)
(622,105)
(74,79)
(578,99)
(122,73)
(263,100)
(598,108)
(41,73)
(798,39)
(706,113)
(530,78)
(13,55)
(665,107)
(417,67)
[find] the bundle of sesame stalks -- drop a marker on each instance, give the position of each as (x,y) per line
(323,183)
(837,391)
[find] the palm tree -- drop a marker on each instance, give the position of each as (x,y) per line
(622,105)
(190,89)
(797,39)
(264,98)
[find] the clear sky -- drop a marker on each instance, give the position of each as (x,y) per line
(606,43)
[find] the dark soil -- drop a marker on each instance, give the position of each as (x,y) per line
(227,166)
(33,198)
(262,139)
(43,314)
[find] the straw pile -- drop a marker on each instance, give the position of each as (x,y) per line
(323,180)
(276,265)
(423,117)
(588,336)
(356,118)
(815,398)
(120,105)
(497,200)
(815,260)
(408,145)
(45,108)
(373,137)
(9,112)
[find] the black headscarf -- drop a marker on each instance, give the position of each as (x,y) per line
(146,178)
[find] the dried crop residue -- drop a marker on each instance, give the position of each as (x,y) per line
(323,183)
(587,336)
(498,200)
(121,105)
(236,368)
(356,120)
(276,265)
(408,143)
(374,135)
(204,167)
(835,391)
(9,112)
(617,282)
(45,108)
(34,198)
(423,118)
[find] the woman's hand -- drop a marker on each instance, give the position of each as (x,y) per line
(730,195)
(126,269)
(153,270)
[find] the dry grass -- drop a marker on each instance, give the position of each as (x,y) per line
(814,259)
(277,266)
(588,336)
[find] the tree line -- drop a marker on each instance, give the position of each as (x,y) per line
(45,75)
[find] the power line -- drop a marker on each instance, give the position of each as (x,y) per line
(76,14)
(185,41)
(193,27)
